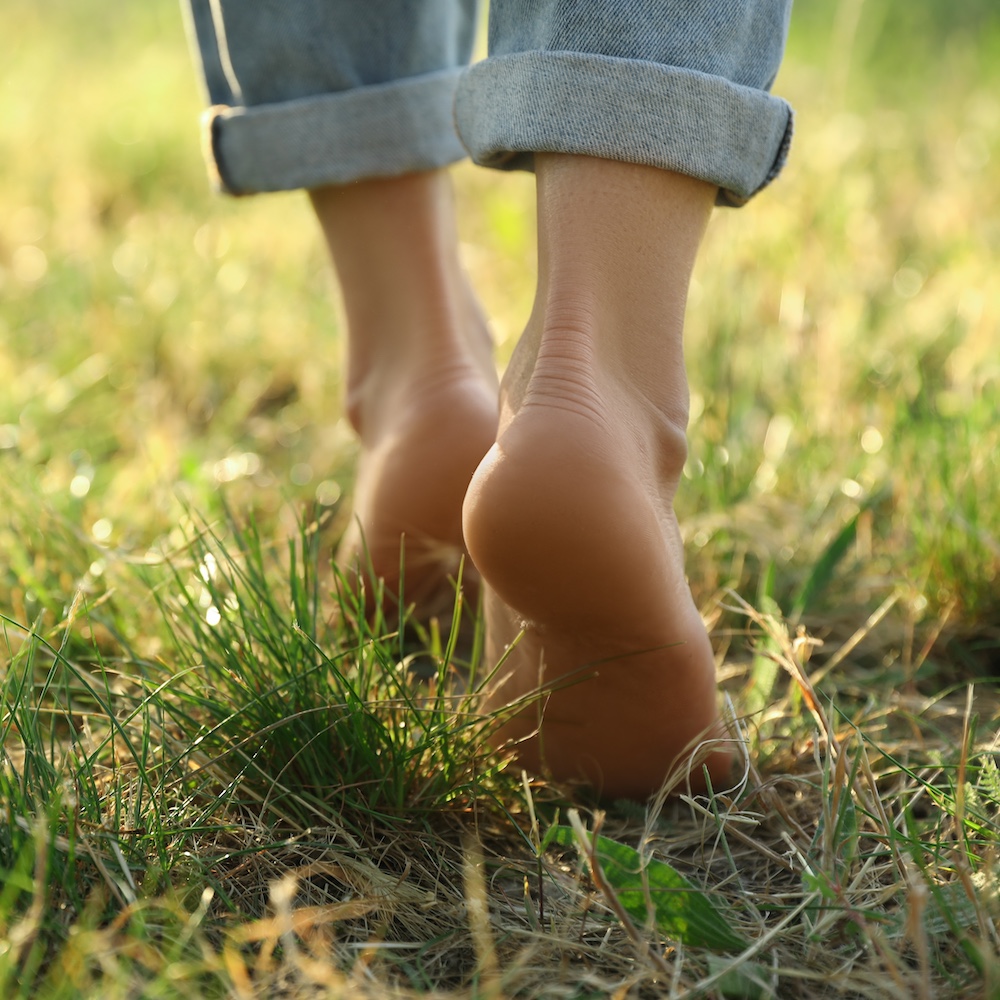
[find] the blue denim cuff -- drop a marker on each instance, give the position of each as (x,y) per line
(375,131)
(511,106)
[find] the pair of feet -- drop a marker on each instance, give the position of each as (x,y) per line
(562,496)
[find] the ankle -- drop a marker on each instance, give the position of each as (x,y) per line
(594,369)
(617,244)
(384,390)
(409,307)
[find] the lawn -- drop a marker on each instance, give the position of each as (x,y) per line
(216,780)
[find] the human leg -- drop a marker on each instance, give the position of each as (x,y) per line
(632,134)
(679,90)
(421,382)
(354,102)
(570,516)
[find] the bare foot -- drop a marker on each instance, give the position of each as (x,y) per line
(421,384)
(570,519)
(422,433)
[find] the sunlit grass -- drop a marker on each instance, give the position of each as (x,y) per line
(215,781)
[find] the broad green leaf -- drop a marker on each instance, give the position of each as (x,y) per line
(679,909)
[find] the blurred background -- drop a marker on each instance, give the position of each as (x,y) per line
(162,347)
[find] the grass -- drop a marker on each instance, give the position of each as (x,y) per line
(216,781)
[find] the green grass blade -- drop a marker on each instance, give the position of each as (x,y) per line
(824,568)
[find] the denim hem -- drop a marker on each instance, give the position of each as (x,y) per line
(375,131)
(509,107)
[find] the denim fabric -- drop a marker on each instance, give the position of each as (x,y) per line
(311,92)
(678,84)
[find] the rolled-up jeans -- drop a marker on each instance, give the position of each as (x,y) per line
(306,93)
